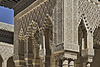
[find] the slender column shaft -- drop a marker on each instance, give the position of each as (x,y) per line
(4,64)
(71,64)
(29,52)
(47,47)
(65,63)
(88,65)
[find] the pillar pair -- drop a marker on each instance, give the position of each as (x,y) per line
(68,63)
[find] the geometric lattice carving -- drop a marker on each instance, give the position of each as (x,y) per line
(91,11)
(37,14)
(6,50)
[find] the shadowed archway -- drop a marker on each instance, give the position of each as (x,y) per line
(96,43)
(1,60)
(10,62)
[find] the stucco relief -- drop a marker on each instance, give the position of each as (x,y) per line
(6,50)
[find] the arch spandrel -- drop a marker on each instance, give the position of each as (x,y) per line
(85,21)
(37,14)
(89,27)
(32,28)
(92,13)
(48,24)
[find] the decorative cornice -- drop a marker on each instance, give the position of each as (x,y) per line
(6,44)
(8,3)
(6,27)
(30,8)
(21,5)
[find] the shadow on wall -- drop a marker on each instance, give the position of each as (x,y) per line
(10,62)
(1,60)
(96,37)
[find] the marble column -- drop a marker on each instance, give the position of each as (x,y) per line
(19,50)
(90,48)
(71,64)
(47,48)
(65,63)
(36,60)
(90,60)
(4,63)
(88,65)
(29,52)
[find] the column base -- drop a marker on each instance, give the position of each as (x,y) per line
(19,63)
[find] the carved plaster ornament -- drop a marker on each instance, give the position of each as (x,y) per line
(21,34)
(92,13)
